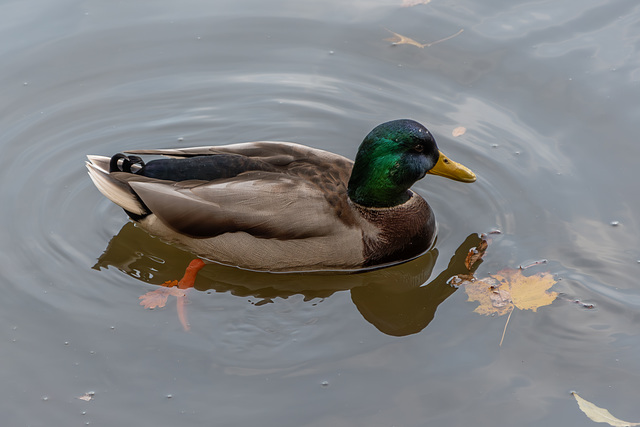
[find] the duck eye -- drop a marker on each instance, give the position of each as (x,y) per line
(419,148)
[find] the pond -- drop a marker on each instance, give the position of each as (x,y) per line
(538,98)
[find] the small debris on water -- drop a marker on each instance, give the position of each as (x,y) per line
(584,304)
(614,223)
(532,264)
(87,397)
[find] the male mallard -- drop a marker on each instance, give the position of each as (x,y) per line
(280,206)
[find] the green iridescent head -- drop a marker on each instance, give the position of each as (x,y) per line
(392,157)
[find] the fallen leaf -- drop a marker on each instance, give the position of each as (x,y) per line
(599,415)
(529,293)
(500,297)
(158,298)
(399,39)
(471,262)
(459,131)
(508,288)
(411,3)
(87,396)
(486,293)
(476,254)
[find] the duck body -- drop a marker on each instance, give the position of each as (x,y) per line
(280,206)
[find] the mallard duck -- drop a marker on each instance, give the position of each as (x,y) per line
(281,206)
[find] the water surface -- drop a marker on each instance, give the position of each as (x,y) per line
(547,92)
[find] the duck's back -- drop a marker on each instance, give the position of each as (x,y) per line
(282,170)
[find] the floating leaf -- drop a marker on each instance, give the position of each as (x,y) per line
(459,131)
(599,415)
(508,288)
(399,39)
(476,254)
(411,3)
(486,292)
(87,396)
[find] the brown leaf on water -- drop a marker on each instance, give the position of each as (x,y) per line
(158,298)
(476,254)
(411,3)
(459,131)
(508,289)
(599,415)
(399,39)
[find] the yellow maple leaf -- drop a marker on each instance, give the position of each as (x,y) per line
(509,288)
(529,293)
(492,300)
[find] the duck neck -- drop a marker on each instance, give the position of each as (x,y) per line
(374,187)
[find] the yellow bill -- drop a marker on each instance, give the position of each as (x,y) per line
(452,170)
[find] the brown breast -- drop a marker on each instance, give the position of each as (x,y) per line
(402,232)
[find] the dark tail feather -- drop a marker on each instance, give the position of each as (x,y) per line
(121,163)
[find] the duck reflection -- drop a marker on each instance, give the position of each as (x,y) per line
(393,299)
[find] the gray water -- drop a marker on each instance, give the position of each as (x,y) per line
(548,93)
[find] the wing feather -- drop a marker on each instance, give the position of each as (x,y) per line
(263,204)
